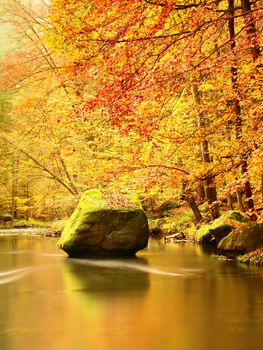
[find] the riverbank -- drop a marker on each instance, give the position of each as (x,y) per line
(170,230)
(34,227)
(231,234)
(29,231)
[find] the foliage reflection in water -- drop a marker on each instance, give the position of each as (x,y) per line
(170,296)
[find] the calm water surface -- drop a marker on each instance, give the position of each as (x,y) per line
(172,297)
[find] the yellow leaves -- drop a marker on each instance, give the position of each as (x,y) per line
(207,86)
(146,152)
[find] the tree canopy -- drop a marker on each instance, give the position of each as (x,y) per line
(136,96)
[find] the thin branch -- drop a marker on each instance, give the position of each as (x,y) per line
(41,166)
(170,167)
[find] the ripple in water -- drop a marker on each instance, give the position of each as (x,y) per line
(13,275)
(125,265)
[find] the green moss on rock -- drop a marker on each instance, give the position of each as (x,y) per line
(212,234)
(233,215)
(97,229)
(244,238)
(221,227)
(81,218)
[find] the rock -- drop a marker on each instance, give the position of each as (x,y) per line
(212,234)
(221,227)
(95,229)
(233,215)
(253,258)
(244,238)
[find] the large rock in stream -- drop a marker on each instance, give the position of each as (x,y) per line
(96,229)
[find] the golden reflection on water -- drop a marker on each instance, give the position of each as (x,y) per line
(197,303)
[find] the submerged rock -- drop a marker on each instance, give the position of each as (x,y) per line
(96,229)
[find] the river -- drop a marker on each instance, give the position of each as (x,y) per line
(171,297)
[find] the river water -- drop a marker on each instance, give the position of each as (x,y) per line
(171,297)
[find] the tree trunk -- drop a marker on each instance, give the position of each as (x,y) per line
(236,102)
(211,196)
(229,202)
(14,190)
(191,201)
(209,184)
(240,201)
(200,193)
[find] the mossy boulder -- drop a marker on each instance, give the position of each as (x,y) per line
(244,238)
(97,229)
(220,228)
(232,216)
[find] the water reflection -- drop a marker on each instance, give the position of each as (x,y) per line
(111,276)
(170,297)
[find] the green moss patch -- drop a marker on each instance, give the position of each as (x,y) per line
(221,227)
(233,215)
(212,234)
(244,238)
(97,228)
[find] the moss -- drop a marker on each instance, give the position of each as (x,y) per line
(212,234)
(232,215)
(221,227)
(91,200)
(170,225)
(95,227)
(244,238)
(253,258)
(184,221)
(155,226)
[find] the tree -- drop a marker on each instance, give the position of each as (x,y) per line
(141,53)
(180,81)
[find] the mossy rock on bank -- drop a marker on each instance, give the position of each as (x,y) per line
(233,216)
(220,228)
(95,229)
(252,258)
(244,238)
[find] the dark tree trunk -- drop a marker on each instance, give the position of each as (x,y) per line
(246,8)
(240,201)
(191,201)
(200,193)
(230,202)
(14,190)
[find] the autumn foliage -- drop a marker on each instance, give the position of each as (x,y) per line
(143,96)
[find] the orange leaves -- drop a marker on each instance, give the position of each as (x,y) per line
(128,66)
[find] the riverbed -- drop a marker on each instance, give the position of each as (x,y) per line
(170,297)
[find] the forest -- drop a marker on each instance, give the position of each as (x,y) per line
(159,100)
